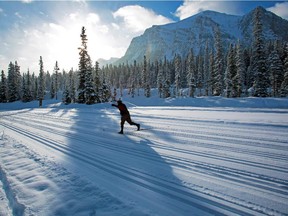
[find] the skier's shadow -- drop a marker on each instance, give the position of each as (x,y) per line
(128,170)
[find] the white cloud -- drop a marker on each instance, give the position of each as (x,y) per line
(137,18)
(56,37)
(27,1)
(281,9)
(190,8)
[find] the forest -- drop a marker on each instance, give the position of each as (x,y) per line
(223,70)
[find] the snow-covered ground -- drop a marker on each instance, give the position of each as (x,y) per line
(201,156)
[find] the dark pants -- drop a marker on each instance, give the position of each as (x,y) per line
(128,119)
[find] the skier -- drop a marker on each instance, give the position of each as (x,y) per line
(125,115)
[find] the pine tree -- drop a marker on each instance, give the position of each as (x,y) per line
(3,88)
(191,73)
(12,83)
(218,83)
(85,72)
(146,85)
(284,85)
(276,72)
(97,83)
(18,81)
(26,86)
(259,69)
(160,79)
(231,74)
(178,71)
(56,80)
(200,73)
(207,74)
(90,96)
(240,67)
(41,90)
(71,87)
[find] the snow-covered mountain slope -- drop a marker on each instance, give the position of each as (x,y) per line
(193,32)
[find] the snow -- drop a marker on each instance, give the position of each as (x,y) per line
(194,156)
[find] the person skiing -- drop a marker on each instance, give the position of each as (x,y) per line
(125,116)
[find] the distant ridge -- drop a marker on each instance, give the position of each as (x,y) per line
(195,31)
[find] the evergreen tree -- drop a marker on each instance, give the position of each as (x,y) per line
(12,83)
(160,80)
(276,72)
(56,80)
(240,67)
(178,71)
(71,86)
(41,90)
(97,83)
(191,73)
(200,73)
(146,85)
(230,76)
(3,88)
(90,96)
(18,81)
(259,69)
(218,84)
(26,86)
(284,85)
(85,72)
(106,93)
(211,81)
(207,74)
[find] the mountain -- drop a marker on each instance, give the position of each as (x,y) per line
(103,62)
(195,31)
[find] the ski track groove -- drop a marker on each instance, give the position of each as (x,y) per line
(168,188)
(144,180)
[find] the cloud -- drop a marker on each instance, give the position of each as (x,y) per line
(281,9)
(190,8)
(55,34)
(26,1)
(137,18)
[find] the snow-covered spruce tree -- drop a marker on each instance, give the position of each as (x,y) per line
(178,71)
(106,93)
(90,96)
(230,75)
(218,84)
(18,81)
(240,67)
(97,83)
(133,80)
(259,69)
(3,88)
(85,87)
(211,81)
(276,72)
(56,79)
(12,83)
(191,73)
(71,86)
(200,73)
(207,74)
(160,80)
(26,88)
(284,85)
(146,85)
(34,86)
(41,88)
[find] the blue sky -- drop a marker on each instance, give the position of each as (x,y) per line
(51,29)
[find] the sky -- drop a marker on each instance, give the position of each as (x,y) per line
(51,29)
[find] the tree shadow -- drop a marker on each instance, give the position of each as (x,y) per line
(136,178)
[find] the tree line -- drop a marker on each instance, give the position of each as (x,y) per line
(231,71)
